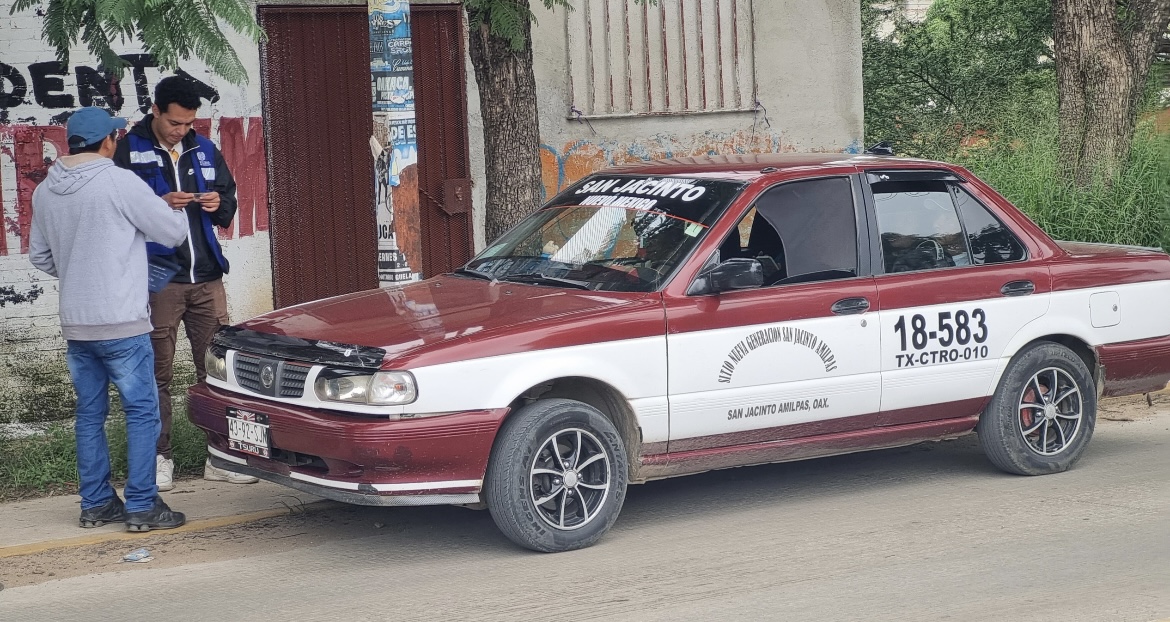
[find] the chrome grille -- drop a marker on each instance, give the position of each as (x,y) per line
(289,381)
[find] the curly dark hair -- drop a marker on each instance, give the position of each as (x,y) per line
(176,90)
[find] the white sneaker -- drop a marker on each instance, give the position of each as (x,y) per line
(164,473)
(213,474)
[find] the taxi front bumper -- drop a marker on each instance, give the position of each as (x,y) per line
(356,459)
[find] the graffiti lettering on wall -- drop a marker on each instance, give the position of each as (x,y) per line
(576,159)
(8,294)
(27,151)
(30,144)
(92,87)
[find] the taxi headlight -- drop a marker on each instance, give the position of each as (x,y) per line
(384,388)
(392,387)
(215,363)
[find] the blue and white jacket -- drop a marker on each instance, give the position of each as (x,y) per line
(201,168)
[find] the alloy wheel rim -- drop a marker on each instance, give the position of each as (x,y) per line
(569,479)
(1051,411)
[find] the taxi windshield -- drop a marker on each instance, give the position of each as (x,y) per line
(623,233)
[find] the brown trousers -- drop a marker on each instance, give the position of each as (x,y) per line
(202,307)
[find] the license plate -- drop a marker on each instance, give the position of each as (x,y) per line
(248,432)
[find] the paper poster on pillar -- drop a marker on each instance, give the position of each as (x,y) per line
(391,59)
(394,143)
(396,198)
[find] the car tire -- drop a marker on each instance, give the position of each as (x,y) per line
(552,502)
(1029,429)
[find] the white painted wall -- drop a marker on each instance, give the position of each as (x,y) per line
(29,332)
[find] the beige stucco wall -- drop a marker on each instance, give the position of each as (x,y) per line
(807,77)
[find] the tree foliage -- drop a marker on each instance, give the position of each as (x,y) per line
(930,84)
(975,83)
(508,19)
(169,30)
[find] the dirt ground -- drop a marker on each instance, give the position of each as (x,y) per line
(268,536)
(1133,407)
(337,523)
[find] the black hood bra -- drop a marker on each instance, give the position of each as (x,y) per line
(295,348)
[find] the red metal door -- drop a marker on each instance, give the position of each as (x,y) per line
(444,164)
(315,80)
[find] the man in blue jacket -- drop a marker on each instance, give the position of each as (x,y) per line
(189,173)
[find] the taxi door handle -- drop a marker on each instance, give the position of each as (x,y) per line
(849,306)
(1018,288)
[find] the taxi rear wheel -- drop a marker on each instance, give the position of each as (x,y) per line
(1042,414)
(557,476)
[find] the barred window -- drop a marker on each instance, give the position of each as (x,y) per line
(683,56)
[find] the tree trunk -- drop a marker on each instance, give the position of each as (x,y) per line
(1103,59)
(511,131)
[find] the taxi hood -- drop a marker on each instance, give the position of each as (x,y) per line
(448,318)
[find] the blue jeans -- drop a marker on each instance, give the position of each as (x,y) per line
(129,363)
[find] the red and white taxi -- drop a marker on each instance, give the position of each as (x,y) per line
(673,317)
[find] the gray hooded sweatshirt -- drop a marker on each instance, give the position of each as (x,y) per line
(91,221)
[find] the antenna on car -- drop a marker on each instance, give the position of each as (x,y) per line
(883,148)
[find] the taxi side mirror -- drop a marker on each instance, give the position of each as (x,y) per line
(735,273)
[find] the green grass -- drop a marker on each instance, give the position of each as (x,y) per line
(1133,210)
(1012,144)
(47,463)
(1018,155)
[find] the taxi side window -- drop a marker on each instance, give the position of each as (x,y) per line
(755,238)
(989,239)
(800,232)
(919,226)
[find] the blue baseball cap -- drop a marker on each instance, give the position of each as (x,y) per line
(90,125)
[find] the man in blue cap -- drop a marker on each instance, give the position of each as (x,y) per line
(91,223)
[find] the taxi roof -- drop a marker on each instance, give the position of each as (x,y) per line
(749,166)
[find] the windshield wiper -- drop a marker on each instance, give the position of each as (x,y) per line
(475,273)
(541,279)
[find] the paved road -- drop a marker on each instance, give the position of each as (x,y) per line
(930,532)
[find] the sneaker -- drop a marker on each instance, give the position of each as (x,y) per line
(113,511)
(158,517)
(213,474)
(164,473)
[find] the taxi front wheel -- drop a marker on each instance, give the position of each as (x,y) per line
(556,479)
(1042,414)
